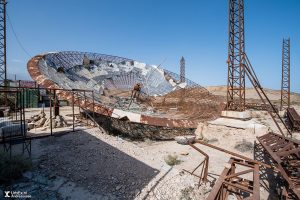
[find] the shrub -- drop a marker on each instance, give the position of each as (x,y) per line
(172,160)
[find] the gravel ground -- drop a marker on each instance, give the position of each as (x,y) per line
(90,164)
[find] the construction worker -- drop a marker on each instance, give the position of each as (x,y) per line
(136,91)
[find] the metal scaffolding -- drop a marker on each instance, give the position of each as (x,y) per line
(285,82)
(236,51)
(3,73)
(182,69)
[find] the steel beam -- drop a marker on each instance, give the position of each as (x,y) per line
(234,183)
(286,153)
(294,119)
(285,81)
(204,166)
(3,72)
(236,51)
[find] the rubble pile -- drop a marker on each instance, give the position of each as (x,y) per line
(41,121)
(57,122)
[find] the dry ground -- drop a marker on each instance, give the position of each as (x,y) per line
(91,164)
(274,95)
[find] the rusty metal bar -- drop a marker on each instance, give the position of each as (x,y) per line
(294,118)
(234,154)
(285,79)
(85,108)
(260,91)
(93,95)
(204,170)
(73,113)
(236,49)
(51,131)
(3,66)
(231,182)
(260,106)
(285,152)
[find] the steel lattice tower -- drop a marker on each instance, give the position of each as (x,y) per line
(236,52)
(3,73)
(182,69)
(285,82)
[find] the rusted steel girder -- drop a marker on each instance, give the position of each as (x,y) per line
(286,71)
(236,50)
(3,70)
(232,181)
(293,118)
(234,154)
(286,153)
(204,170)
(261,106)
(262,94)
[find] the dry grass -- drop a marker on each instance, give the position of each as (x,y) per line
(172,160)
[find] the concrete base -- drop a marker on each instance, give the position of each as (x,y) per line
(245,115)
(235,123)
(282,113)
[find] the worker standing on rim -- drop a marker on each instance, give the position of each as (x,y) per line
(136,91)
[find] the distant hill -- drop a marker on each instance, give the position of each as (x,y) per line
(274,95)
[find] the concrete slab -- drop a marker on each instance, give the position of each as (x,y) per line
(235,123)
(282,113)
(133,117)
(246,115)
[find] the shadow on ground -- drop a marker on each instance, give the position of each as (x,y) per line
(270,180)
(92,164)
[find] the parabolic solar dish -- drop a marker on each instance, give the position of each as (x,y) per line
(165,101)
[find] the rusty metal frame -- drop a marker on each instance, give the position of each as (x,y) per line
(234,154)
(236,49)
(77,97)
(239,66)
(294,119)
(233,182)
(261,106)
(9,140)
(262,94)
(3,70)
(285,81)
(203,165)
(82,101)
(286,153)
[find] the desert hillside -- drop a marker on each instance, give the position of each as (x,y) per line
(274,95)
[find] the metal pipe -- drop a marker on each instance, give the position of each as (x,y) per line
(73,104)
(234,154)
(51,113)
(93,107)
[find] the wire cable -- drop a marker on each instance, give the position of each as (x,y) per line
(17,38)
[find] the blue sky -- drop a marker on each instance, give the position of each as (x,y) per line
(155,30)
